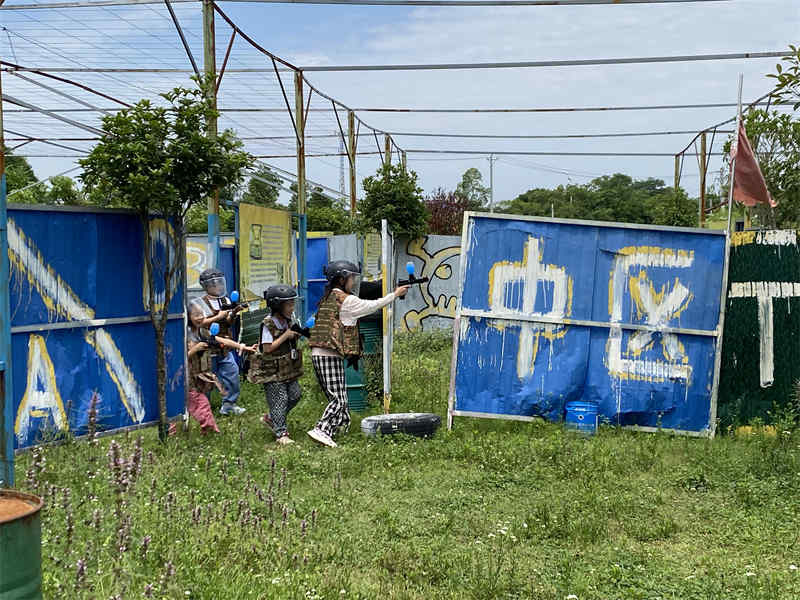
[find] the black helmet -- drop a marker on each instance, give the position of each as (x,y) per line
(341,268)
(213,282)
(275,295)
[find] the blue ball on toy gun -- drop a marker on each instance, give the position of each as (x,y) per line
(211,339)
(232,304)
(304,331)
(412,279)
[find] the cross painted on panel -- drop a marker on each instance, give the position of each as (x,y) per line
(514,289)
(658,308)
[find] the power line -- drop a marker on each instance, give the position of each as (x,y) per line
(546,63)
(89,3)
(457,110)
(545,137)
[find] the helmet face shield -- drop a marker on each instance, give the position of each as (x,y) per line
(215,287)
(352,282)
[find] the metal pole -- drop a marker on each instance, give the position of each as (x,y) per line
(491,183)
(210,65)
(703,179)
(351,136)
(724,293)
(301,187)
(6,397)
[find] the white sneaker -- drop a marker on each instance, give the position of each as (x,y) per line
(231,409)
(320,436)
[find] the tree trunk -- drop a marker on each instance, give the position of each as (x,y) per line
(161,378)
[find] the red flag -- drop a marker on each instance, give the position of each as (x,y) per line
(749,186)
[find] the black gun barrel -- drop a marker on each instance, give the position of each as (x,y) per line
(304,331)
(412,281)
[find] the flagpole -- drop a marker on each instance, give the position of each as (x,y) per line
(724,292)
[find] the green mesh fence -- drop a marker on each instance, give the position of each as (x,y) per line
(764,269)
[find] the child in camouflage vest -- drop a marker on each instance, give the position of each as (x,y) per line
(278,364)
(201,379)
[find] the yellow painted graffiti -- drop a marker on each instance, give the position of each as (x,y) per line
(41,398)
(433,266)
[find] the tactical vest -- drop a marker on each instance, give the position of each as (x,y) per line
(329,332)
(278,366)
(199,364)
(224,329)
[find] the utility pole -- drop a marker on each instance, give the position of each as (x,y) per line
(210,67)
(342,186)
(351,136)
(491,182)
(403,160)
(6,404)
(703,179)
(387,153)
(677,172)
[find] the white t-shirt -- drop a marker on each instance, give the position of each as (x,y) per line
(353,308)
(266,336)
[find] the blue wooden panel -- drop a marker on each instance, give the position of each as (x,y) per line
(77,266)
(611,276)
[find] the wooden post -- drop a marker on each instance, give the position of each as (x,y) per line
(703,179)
(301,150)
(403,160)
(351,149)
(210,67)
(387,154)
(677,172)
(299,118)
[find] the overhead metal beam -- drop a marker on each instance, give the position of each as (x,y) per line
(461,3)
(49,113)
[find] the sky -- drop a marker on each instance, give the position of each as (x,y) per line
(310,35)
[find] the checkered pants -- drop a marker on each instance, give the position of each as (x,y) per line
(281,397)
(330,374)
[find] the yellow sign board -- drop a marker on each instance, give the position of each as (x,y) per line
(264,250)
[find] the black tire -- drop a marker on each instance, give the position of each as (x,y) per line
(417,424)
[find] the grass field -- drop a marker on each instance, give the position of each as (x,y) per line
(491,510)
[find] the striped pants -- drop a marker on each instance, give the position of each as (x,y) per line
(330,374)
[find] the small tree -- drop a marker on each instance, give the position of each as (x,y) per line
(393,194)
(263,188)
(159,162)
(446,210)
(472,189)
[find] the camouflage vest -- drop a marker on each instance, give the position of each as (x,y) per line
(224,329)
(199,363)
(278,366)
(328,332)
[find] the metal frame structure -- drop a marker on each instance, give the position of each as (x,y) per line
(462,313)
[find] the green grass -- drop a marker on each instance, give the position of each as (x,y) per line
(492,510)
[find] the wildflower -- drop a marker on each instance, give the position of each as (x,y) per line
(145,545)
(148,590)
(80,574)
(749,574)
(303,526)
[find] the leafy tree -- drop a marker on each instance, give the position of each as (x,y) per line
(159,161)
(446,210)
(775,138)
(63,192)
(263,188)
(393,194)
(323,213)
(787,77)
(19,172)
(609,198)
(197,218)
(472,189)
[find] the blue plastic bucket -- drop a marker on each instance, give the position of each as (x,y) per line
(582,417)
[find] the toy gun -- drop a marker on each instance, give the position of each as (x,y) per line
(232,305)
(412,280)
(304,331)
(211,340)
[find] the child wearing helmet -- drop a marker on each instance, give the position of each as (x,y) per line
(201,378)
(335,338)
(278,364)
(224,363)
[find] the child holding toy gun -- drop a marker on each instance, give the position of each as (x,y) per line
(201,377)
(279,364)
(335,338)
